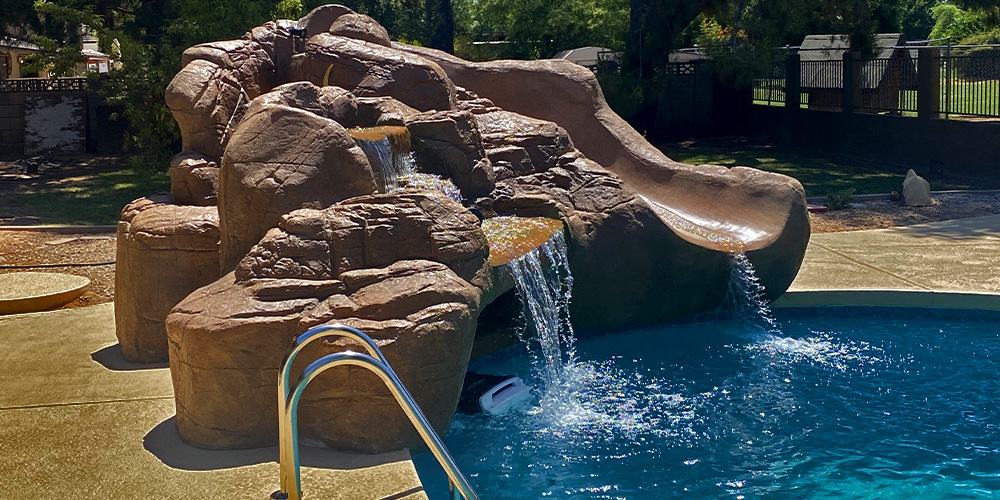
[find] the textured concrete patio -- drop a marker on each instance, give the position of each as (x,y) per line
(78,421)
(910,265)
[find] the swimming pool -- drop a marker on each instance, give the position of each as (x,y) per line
(859,403)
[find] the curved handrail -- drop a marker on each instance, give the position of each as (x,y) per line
(284,377)
(406,402)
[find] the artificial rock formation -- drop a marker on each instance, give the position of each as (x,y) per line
(305,240)
(165,251)
(408,269)
(282,158)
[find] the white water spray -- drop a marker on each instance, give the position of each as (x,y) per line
(746,297)
(544,283)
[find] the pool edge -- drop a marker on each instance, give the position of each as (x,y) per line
(889,297)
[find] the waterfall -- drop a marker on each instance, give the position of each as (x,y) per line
(544,283)
(391,163)
(745,296)
(388,151)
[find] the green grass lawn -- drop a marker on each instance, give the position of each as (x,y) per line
(820,174)
(90,195)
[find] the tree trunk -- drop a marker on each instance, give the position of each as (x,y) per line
(441,25)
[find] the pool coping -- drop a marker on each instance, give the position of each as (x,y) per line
(889,298)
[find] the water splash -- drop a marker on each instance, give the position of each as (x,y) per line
(746,298)
(544,283)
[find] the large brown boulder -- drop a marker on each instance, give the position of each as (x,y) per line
(165,251)
(281,159)
(206,100)
(405,268)
(360,27)
(371,70)
(448,143)
(218,80)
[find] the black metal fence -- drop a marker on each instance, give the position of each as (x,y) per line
(43,84)
(971,81)
(960,81)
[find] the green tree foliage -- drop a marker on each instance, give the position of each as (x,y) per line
(916,21)
(532,29)
(148,37)
(955,24)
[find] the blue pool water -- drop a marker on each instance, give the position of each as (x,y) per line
(899,404)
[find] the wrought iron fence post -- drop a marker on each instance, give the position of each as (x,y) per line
(929,83)
(793,81)
(851,89)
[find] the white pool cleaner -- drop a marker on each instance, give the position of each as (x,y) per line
(492,394)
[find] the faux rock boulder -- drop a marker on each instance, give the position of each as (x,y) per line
(368,69)
(282,158)
(165,251)
(407,268)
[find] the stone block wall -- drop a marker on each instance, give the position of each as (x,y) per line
(55,124)
(12,122)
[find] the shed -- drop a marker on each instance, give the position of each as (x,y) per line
(882,77)
(589,57)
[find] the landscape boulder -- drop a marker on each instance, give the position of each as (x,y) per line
(916,190)
(371,70)
(283,158)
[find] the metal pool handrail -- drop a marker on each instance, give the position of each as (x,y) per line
(288,406)
(284,378)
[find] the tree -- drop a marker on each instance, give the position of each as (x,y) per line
(955,24)
(531,29)
(440,24)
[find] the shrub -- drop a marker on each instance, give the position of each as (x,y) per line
(838,200)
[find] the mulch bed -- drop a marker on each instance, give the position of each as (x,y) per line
(86,254)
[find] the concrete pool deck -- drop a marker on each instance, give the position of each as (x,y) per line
(77,421)
(908,265)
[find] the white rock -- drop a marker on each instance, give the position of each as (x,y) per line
(916,190)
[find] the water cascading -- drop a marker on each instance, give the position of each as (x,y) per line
(534,252)
(746,298)
(388,151)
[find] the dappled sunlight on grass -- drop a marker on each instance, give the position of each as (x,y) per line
(819,174)
(95,199)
